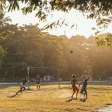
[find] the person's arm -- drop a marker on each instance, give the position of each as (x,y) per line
(72,81)
(80,83)
(76,82)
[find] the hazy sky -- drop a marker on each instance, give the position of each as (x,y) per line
(82,26)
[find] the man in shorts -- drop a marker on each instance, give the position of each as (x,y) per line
(74,87)
(84,88)
(22,85)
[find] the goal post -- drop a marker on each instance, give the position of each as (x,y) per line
(57,72)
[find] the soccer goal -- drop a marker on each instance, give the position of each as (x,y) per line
(46,76)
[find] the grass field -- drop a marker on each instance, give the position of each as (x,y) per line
(51,99)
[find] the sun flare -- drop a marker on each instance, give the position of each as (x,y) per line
(75,22)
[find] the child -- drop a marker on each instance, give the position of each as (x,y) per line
(22,85)
(84,88)
(38,82)
(74,87)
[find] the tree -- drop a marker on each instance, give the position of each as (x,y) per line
(104,40)
(3,34)
(29,45)
(93,8)
(2,54)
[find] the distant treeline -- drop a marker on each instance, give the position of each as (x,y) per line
(21,47)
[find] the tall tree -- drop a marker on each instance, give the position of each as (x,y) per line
(2,36)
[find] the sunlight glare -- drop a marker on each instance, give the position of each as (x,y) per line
(75,22)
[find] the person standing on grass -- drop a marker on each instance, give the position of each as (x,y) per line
(38,82)
(22,85)
(84,88)
(74,87)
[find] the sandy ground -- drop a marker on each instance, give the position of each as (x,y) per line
(51,99)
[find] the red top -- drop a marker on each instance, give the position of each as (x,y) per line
(38,81)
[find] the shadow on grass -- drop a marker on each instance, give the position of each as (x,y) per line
(27,90)
(12,96)
(83,100)
(71,99)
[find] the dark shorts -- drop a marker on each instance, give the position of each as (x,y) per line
(83,90)
(75,88)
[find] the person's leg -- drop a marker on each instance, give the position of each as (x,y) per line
(81,92)
(77,92)
(23,88)
(86,94)
(73,94)
(17,92)
(37,86)
(20,91)
(74,90)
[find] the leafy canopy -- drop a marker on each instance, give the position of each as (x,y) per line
(104,40)
(101,10)
(94,8)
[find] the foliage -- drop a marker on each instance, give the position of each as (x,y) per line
(104,40)
(92,8)
(3,34)
(95,7)
(2,54)
(28,46)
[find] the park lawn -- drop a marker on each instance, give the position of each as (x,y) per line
(52,99)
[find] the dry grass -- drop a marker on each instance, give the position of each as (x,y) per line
(51,99)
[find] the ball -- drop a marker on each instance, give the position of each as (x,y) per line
(71,51)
